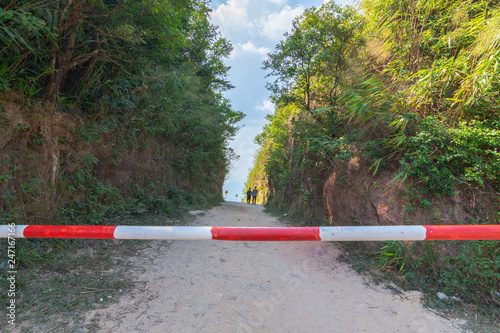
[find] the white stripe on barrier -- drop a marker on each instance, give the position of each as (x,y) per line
(372,233)
(172,233)
(5,231)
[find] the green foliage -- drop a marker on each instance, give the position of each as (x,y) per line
(393,254)
(472,273)
(415,86)
(314,55)
(20,37)
(439,58)
(93,200)
(322,42)
(425,203)
(13,191)
(367,102)
(442,157)
(131,81)
(446,53)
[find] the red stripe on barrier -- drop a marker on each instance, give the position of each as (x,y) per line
(462,232)
(69,231)
(266,234)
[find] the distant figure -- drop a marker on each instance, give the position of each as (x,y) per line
(254,198)
(249,195)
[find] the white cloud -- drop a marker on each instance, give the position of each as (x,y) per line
(250,47)
(266,105)
(268,19)
(234,13)
(274,25)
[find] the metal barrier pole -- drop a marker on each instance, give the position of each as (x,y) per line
(359,233)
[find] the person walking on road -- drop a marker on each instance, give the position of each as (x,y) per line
(254,194)
(249,195)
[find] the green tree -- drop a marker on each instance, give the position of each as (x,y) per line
(137,73)
(311,62)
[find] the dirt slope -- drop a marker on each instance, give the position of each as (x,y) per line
(214,286)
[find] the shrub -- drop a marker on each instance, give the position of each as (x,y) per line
(442,157)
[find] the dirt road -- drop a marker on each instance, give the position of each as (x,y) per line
(215,286)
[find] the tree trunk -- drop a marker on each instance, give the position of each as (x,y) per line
(61,60)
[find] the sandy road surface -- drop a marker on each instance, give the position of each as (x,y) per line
(216,286)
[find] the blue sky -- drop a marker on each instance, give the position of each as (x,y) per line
(253,27)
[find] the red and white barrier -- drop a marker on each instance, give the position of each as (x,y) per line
(364,233)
